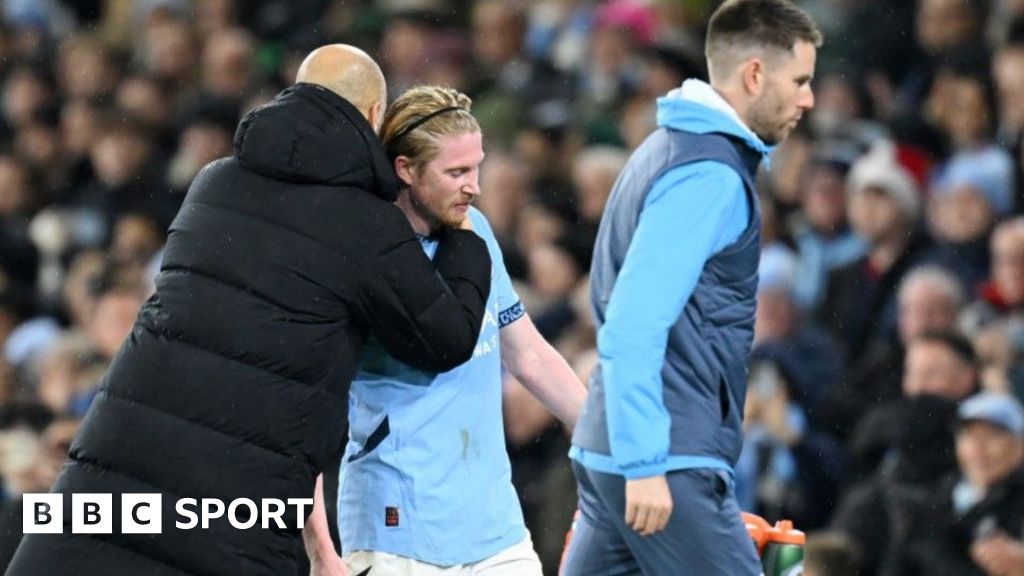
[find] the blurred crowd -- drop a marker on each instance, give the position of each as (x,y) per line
(889,338)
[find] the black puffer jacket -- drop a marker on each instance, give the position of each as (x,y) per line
(942,544)
(233,383)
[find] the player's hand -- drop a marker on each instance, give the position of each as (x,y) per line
(327,564)
(648,504)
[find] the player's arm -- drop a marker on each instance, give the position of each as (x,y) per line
(690,213)
(323,558)
(542,370)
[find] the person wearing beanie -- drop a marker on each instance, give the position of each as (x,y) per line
(988,172)
(879,170)
(884,209)
(968,197)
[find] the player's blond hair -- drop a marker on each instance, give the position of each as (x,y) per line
(414,123)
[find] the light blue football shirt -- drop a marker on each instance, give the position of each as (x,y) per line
(425,473)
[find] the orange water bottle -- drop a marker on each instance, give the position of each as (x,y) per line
(781,547)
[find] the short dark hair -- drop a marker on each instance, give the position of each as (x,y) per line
(769,23)
(957,343)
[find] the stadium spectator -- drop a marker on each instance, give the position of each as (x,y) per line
(884,208)
(975,530)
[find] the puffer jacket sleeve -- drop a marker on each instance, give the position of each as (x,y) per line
(427,315)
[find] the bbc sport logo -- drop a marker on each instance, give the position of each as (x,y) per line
(143,513)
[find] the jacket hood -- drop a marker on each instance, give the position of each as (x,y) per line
(308,134)
(695,107)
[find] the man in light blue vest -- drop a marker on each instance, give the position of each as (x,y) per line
(425,485)
(673,287)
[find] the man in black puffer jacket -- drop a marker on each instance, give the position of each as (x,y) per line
(233,382)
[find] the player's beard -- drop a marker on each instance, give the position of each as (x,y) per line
(768,121)
(451,217)
(447,216)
